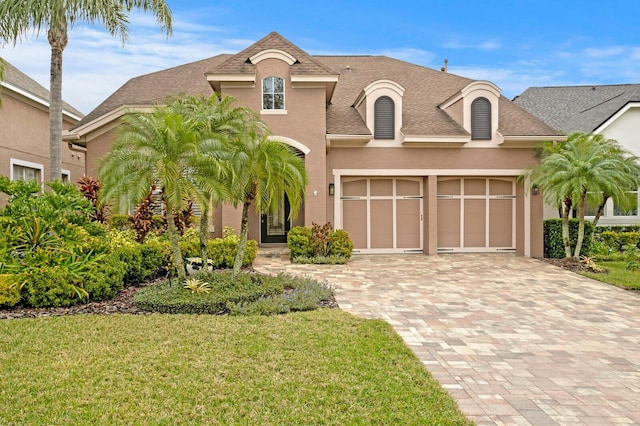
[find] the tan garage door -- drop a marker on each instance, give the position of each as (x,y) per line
(476,214)
(383,215)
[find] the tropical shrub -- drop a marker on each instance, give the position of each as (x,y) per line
(341,244)
(299,242)
(221,251)
(553,245)
(52,287)
(611,239)
(121,222)
(321,244)
(629,239)
(9,290)
(105,279)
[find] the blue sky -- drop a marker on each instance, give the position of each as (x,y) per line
(515,44)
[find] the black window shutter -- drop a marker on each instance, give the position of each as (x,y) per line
(384,126)
(481,119)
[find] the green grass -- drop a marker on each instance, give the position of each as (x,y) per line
(617,275)
(320,367)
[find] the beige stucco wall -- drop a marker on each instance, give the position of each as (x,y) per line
(483,160)
(24,136)
(305,123)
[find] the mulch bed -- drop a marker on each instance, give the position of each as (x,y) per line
(571,265)
(121,304)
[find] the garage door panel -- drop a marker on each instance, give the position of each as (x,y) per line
(355,188)
(475,217)
(381,224)
(449,223)
(408,188)
(381,187)
(501,223)
(500,187)
(408,223)
(476,214)
(475,186)
(355,221)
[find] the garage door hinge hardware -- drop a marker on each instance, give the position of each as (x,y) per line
(412,197)
(350,198)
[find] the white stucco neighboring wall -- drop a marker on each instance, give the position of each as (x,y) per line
(624,127)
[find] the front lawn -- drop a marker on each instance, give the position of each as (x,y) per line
(321,367)
(617,275)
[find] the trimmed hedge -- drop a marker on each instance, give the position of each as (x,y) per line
(553,245)
(171,297)
(9,290)
(321,243)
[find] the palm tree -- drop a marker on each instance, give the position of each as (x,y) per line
(261,171)
(584,168)
(19,17)
(217,121)
(165,148)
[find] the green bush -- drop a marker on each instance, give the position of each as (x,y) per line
(9,290)
(51,287)
(629,239)
(222,252)
(553,245)
(611,239)
(320,245)
(341,244)
(299,242)
(104,279)
(172,298)
(121,222)
(153,260)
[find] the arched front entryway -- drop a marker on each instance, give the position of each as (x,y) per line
(274,226)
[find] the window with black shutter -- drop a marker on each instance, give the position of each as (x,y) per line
(384,126)
(481,119)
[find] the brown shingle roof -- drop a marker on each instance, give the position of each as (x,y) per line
(239,63)
(17,78)
(158,86)
(425,90)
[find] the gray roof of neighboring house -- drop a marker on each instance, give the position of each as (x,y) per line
(425,90)
(577,108)
(17,78)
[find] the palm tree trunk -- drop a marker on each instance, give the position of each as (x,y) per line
(242,245)
(605,198)
(58,41)
(175,246)
(204,237)
(581,204)
(566,208)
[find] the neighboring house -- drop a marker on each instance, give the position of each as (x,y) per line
(610,110)
(403,157)
(24,130)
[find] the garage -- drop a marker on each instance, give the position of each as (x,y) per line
(383,214)
(476,214)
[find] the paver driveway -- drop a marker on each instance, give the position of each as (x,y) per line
(513,339)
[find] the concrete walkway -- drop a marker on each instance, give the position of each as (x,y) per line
(513,339)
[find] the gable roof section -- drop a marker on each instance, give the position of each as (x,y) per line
(16,80)
(240,64)
(154,88)
(425,90)
(577,108)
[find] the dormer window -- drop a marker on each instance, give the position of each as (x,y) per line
(481,119)
(384,118)
(273,93)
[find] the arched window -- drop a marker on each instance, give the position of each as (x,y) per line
(481,119)
(273,93)
(384,116)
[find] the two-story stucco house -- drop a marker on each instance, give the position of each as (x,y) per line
(610,110)
(405,158)
(24,130)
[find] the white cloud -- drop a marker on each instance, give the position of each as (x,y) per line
(485,45)
(606,52)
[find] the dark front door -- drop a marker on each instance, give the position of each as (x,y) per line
(276,225)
